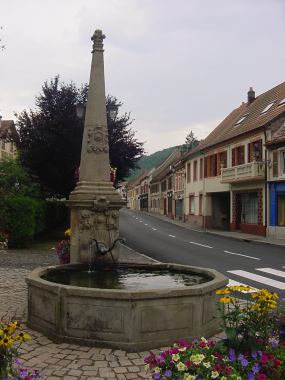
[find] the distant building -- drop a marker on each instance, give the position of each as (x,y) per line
(8,138)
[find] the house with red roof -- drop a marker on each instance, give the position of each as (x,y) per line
(229,176)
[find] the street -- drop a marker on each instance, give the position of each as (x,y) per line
(250,263)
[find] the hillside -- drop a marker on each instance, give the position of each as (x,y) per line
(152,161)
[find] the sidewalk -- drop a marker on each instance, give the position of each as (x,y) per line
(228,234)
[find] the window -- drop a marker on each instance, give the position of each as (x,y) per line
(275,163)
(249,208)
(200,204)
(283,161)
(192,204)
(195,171)
(188,172)
(201,168)
(238,155)
(213,165)
(282,101)
(163,186)
(281,210)
(255,151)
(267,108)
(241,119)
(170,183)
(222,161)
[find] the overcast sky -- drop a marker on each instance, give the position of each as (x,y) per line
(177,65)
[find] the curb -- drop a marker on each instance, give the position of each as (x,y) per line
(183,225)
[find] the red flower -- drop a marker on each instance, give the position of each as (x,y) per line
(261,377)
(228,371)
(264,359)
(277,363)
(188,363)
(218,367)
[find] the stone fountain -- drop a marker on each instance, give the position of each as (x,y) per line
(127,318)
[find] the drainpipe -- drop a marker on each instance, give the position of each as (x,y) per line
(266,184)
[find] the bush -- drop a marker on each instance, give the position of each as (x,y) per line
(19,219)
(57,214)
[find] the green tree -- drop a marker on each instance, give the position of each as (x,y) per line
(51,136)
(22,211)
(191,141)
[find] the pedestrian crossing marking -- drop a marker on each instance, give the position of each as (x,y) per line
(236,283)
(258,278)
(275,272)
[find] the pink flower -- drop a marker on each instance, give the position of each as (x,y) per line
(261,377)
(264,359)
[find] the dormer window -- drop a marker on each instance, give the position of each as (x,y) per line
(240,120)
(282,101)
(267,108)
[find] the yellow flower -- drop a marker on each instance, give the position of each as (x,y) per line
(223,378)
(156,370)
(207,364)
(23,337)
(181,366)
(214,374)
(222,291)
(227,299)
(67,233)
(6,341)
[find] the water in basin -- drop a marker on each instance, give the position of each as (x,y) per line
(125,278)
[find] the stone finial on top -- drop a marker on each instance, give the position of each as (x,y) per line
(97,39)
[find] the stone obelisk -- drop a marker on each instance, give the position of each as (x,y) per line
(94,202)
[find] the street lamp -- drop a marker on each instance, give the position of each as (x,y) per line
(80,110)
(111,108)
(112,111)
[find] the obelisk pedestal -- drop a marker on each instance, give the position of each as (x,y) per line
(94,202)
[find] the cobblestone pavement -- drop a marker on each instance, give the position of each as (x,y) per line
(60,361)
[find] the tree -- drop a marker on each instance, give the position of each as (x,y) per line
(191,140)
(51,136)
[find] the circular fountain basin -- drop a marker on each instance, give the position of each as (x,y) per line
(130,307)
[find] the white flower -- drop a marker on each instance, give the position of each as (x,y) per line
(181,366)
(207,364)
(175,357)
(156,370)
(214,374)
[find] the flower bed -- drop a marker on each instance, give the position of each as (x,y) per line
(253,349)
(63,248)
(11,338)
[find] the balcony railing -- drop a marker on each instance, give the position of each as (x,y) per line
(252,171)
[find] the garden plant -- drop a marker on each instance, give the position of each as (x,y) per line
(253,349)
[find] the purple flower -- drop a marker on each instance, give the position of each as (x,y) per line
(232,355)
(156,376)
(255,368)
(244,362)
(254,355)
(250,376)
(168,373)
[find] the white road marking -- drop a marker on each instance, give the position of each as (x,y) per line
(257,278)
(141,221)
(154,229)
(239,254)
(272,271)
(172,236)
(146,224)
(202,245)
(234,283)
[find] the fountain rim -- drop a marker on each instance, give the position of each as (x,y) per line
(216,280)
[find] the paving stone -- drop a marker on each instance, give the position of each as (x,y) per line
(133,355)
(85,362)
(100,364)
(131,376)
(134,369)
(70,378)
(75,372)
(125,362)
(138,361)
(120,369)
(90,373)
(119,353)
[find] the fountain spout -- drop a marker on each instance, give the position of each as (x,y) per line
(102,249)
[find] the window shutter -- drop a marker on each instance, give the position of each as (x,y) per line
(275,163)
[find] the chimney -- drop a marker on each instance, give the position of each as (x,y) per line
(250,95)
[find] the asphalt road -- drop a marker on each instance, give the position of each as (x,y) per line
(254,264)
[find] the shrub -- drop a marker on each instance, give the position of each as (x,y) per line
(18,218)
(57,214)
